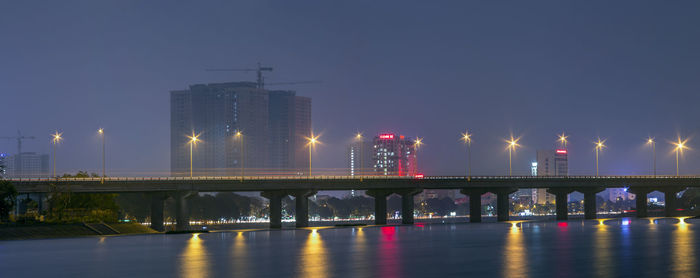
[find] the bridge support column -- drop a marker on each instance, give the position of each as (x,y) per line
(275,198)
(503,203)
(407,205)
(474,203)
(182,212)
(157,203)
(302,207)
(379,205)
(561,194)
(590,206)
(640,200)
(671,201)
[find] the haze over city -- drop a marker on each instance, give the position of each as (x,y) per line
(621,71)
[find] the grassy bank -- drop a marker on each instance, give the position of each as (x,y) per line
(44,230)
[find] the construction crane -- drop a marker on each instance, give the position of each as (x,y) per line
(259,70)
(19,139)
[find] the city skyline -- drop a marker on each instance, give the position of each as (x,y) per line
(598,83)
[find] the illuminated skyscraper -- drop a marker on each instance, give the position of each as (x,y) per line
(550,163)
(394,155)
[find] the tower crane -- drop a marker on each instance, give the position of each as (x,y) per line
(259,70)
(19,139)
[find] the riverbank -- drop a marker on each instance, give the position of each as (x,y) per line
(44,230)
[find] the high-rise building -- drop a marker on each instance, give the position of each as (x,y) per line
(359,156)
(550,163)
(27,165)
(394,155)
(273,125)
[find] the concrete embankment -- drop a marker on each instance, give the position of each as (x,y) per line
(42,230)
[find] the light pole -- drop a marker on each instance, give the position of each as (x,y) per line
(193,141)
(598,146)
(239,135)
(56,138)
(101,131)
(562,140)
(467,138)
(312,143)
(680,146)
(512,144)
(416,146)
(360,142)
(653,152)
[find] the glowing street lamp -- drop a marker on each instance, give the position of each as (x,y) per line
(680,146)
(55,139)
(651,142)
(512,144)
(598,147)
(467,138)
(239,135)
(358,136)
(312,143)
(193,141)
(562,140)
(101,131)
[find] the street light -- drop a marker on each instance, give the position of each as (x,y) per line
(680,146)
(56,138)
(416,145)
(358,136)
(512,144)
(467,138)
(101,131)
(562,139)
(239,135)
(651,142)
(598,146)
(193,141)
(312,143)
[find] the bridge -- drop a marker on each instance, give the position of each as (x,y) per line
(380,187)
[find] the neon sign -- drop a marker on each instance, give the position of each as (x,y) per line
(561,151)
(418,176)
(386,136)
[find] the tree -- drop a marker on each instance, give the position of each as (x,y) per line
(8,199)
(82,207)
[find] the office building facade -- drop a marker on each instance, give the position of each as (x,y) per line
(550,163)
(394,155)
(27,165)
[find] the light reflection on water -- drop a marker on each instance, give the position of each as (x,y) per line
(663,247)
(193,260)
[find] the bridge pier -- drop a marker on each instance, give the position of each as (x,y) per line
(474,203)
(379,205)
(275,214)
(640,200)
(157,204)
(590,206)
(182,212)
(671,201)
(302,207)
(407,205)
(561,194)
(503,203)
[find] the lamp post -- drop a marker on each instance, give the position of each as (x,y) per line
(101,131)
(512,144)
(193,141)
(680,146)
(312,143)
(467,138)
(598,146)
(56,138)
(416,146)
(239,135)
(651,142)
(361,143)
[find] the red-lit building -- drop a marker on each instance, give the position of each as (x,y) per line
(394,155)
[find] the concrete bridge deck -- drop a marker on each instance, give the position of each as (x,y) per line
(380,187)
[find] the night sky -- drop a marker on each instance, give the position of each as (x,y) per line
(621,70)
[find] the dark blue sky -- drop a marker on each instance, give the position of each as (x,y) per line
(622,70)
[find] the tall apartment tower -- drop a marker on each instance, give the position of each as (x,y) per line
(272,123)
(27,165)
(394,155)
(550,163)
(359,158)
